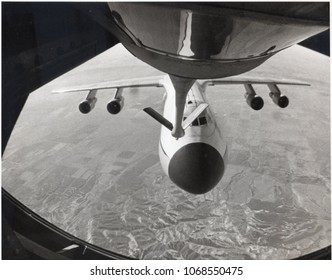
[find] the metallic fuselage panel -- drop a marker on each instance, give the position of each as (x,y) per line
(211,37)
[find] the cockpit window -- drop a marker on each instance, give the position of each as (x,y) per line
(198,121)
(202,120)
(195,123)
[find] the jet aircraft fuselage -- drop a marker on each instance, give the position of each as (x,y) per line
(196,161)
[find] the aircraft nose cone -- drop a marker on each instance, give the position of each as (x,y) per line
(196,168)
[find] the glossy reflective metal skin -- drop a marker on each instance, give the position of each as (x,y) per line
(209,39)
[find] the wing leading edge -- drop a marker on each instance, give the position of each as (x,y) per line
(158,81)
(251,80)
(130,83)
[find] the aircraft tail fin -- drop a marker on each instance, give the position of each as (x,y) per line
(194,115)
(159,118)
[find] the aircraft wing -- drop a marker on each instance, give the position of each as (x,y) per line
(120,84)
(156,82)
(251,80)
(117,103)
(253,100)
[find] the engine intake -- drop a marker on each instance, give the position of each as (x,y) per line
(254,101)
(115,105)
(278,99)
(281,100)
(86,106)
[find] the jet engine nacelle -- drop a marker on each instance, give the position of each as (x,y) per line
(278,99)
(87,105)
(115,105)
(254,101)
(281,100)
